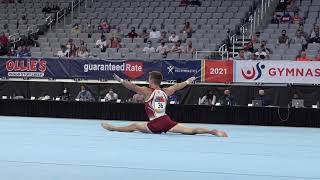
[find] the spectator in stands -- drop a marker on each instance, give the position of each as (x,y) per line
(111,96)
(177,48)
(264,48)
(63,52)
(23,20)
(114,43)
(227,99)
(144,34)
(4,40)
(190,49)
(187,29)
(282,6)
(209,98)
(84,95)
(250,47)
(262,97)
(138,98)
(71,48)
(149,49)
(299,39)
(283,39)
(163,36)
(163,49)
(173,38)
(12,52)
(286,18)
(102,43)
(173,99)
(132,34)
(275,18)
(24,51)
(247,54)
(46,9)
(303,56)
(154,34)
(316,38)
(303,33)
(82,52)
(240,55)
(76,30)
(296,19)
(104,26)
(314,31)
(89,29)
(256,38)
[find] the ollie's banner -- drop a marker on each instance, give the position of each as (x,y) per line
(277,72)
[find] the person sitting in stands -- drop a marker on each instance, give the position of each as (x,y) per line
(24,51)
(190,49)
(63,52)
(163,49)
(12,52)
(82,52)
(76,30)
(187,29)
(261,96)
(286,18)
(84,95)
(303,56)
(316,38)
(102,43)
(111,96)
(173,38)
(144,34)
(240,55)
(114,43)
(104,27)
(177,48)
(149,49)
(71,48)
(283,39)
(132,34)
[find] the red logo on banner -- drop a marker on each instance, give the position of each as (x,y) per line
(133,69)
(26,65)
(218,71)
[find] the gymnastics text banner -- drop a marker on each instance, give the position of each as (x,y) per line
(277,72)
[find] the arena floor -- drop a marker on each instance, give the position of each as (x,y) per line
(47,149)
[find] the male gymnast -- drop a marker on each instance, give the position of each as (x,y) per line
(155,107)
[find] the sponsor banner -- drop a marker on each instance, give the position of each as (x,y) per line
(104,69)
(180,70)
(277,72)
(34,68)
(217,71)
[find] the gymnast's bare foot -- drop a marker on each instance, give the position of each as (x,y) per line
(107,126)
(219,133)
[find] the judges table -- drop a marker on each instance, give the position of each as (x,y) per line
(243,115)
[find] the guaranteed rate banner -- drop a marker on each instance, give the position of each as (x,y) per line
(277,72)
(104,69)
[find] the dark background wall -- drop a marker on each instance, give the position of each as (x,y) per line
(280,96)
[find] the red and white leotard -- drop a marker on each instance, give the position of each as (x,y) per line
(155,108)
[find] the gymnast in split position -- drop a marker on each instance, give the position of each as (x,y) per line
(155,107)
